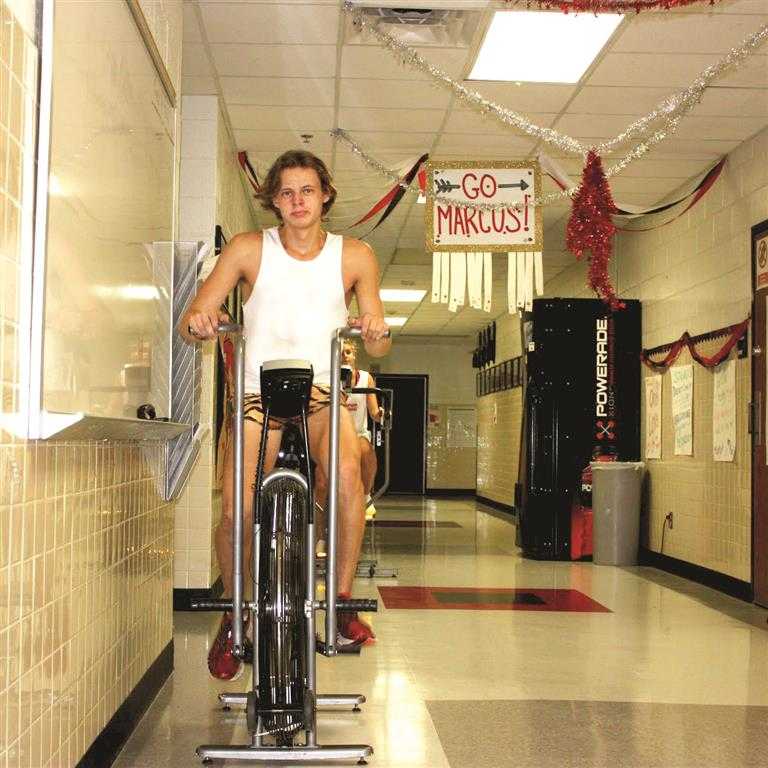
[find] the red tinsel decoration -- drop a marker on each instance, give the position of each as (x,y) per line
(608,6)
(590,228)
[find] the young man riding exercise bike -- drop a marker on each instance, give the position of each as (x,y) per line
(297,282)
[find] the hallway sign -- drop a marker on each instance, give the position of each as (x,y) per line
(761,263)
(514,223)
(476,209)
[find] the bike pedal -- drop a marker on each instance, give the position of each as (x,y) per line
(347,650)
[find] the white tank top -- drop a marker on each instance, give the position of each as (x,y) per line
(294,308)
(358,405)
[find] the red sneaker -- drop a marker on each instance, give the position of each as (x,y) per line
(352,631)
(222,663)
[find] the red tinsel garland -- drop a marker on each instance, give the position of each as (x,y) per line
(608,6)
(590,228)
(733,332)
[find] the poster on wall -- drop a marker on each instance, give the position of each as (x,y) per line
(724,412)
(462,428)
(653,417)
(761,263)
(682,408)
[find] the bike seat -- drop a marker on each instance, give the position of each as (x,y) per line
(286,386)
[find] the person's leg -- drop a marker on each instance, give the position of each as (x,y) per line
(225,530)
(351,519)
(222,664)
(368,464)
(321,498)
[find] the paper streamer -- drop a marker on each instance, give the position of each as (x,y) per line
(475,280)
(487,281)
(445,276)
(528,281)
(458,280)
(538,267)
(436,277)
(520,264)
(512,283)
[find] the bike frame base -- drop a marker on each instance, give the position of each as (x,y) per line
(352,700)
(354,752)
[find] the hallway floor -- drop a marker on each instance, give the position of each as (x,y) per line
(672,675)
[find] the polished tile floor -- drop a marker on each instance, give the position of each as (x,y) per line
(674,676)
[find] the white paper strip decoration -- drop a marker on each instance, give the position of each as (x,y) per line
(475,279)
(512,283)
(445,276)
(487,281)
(528,281)
(538,266)
(458,280)
(520,279)
(436,277)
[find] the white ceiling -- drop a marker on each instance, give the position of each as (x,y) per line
(289,68)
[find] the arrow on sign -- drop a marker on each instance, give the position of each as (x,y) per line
(522,186)
(443,185)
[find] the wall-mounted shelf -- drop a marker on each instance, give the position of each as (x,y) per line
(85,426)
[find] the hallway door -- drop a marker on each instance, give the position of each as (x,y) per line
(407,452)
(760,414)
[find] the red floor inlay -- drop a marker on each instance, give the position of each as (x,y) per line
(469,599)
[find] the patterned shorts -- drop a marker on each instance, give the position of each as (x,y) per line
(319,399)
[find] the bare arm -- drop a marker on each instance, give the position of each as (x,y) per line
(204,313)
(373,401)
(366,289)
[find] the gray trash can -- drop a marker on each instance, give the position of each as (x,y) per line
(616,488)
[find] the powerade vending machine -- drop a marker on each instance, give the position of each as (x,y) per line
(582,403)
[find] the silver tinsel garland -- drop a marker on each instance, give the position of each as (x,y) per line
(669,111)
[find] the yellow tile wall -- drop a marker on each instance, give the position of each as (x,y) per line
(447,467)
(498,445)
(85,539)
(710,500)
(695,275)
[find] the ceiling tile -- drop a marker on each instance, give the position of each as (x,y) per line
(263,141)
(421,120)
(672,71)
(278,23)
(279,91)
(233,59)
(685,33)
(404,94)
(248,116)
(470,121)
(199,86)
(373,62)
(194,61)
(525,97)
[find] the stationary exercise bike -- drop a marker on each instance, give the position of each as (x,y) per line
(282,705)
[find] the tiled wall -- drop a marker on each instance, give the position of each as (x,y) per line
(85,540)
(212,193)
(695,275)
(710,500)
(499,423)
(448,363)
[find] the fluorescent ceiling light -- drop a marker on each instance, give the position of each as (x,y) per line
(395,322)
(402,294)
(542,46)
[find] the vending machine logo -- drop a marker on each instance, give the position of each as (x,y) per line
(603,362)
(605,393)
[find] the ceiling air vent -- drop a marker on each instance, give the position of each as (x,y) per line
(412,17)
(449,24)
